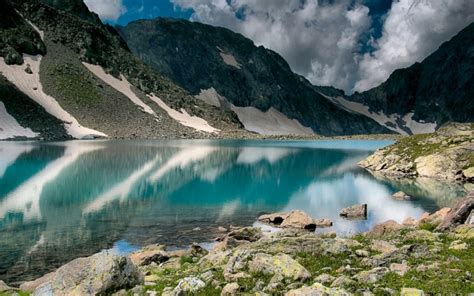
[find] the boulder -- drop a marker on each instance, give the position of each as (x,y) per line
(5,288)
(411,292)
(230,289)
(147,255)
(470,219)
(323,223)
(385,229)
(355,212)
(280,264)
(436,218)
(317,289)
(383,247)
(101,273)
(458,245)
(459,213)
(325,278)
(299,220)
(275,218)
(295,219)
(342,281)
(399,268)
(400,195)
(371,276)
(188,286)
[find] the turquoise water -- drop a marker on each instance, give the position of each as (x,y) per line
(59,201)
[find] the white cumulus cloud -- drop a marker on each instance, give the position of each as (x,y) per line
(322,39)
(413,30)
(108,10)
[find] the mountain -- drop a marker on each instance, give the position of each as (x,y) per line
(75,7)
(227,70)
(78,75)
(426,95)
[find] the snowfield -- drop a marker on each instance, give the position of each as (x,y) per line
(391,122)
(271,122)
(30,85)
(184,118)
(122,86)
(10,128)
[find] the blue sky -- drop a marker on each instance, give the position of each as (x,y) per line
(146,9)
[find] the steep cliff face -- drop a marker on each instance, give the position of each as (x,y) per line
(226,69)
(435,91)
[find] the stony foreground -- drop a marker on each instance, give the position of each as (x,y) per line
(433,255)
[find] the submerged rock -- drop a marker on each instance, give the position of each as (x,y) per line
(354,212)
(400,195)
(101,273)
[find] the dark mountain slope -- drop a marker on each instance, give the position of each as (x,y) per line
(69,41)
(75,7)
(199,57)
(439,89)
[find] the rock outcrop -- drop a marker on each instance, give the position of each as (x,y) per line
(446,154)
(98,274)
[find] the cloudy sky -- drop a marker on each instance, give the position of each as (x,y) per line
(350,44)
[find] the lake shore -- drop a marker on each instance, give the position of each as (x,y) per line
(430,255)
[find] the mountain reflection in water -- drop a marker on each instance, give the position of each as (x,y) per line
(60,201)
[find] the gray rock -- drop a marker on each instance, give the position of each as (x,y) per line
(411,292)
(98,274)
(342,281)
(5,288)
(325,279)
(188,286)
(362,253)
(371,276)
(400,269)
(281,264)
(400,195)
(355,212)
(230,289)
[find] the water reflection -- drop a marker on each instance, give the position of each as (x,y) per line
(63,200)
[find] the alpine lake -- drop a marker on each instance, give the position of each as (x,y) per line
(63,200)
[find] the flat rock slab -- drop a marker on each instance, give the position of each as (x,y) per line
(354,212)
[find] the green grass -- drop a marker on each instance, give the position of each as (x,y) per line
(72,84)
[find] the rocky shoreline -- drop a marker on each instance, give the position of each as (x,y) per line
(432,255)
(446,154)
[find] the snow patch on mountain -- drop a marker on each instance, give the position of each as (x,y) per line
(10,128)
(30,85)
(229,59)
(210,97)
(394,122)
(184,118)
(121,85)
(271,122)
